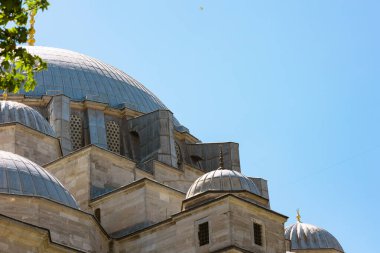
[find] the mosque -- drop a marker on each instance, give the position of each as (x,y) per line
(92,161)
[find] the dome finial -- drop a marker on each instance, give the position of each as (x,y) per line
(5,95)
(221,162)
(298,216)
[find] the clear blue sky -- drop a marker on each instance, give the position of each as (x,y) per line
(295,83)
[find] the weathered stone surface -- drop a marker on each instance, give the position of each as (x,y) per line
(144,210)
(230,228)
(59,117)
(137,205)
(67,226)
(156,136)
(262,184)
(178,179)
(209,155)
(27,142)
(20,237)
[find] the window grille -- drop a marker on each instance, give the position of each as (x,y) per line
(76,132)
(203,234)
(257,232)
(113,136)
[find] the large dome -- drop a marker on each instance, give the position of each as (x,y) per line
(17,112)
(222,180)
(19,175)
(306,237)
(81,77)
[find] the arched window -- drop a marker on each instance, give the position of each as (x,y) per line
(113,136)
(135,143)
(76,132)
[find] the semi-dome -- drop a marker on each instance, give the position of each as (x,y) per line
(305,236)
(222,180)
(17,112)
(21,176)
(81,77)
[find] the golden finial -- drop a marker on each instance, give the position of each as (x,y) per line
(298,216)
(5,95)
(31,39)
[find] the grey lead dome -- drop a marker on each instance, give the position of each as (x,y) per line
(81,77)
(17,112)
(222,180)
(305,236)
(19,175)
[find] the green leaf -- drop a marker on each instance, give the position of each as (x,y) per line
(17,65)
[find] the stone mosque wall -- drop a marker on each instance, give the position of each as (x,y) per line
(112,169)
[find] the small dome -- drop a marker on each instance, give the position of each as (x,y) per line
(306,237)
(19,175)
(222,180)
(16,112)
